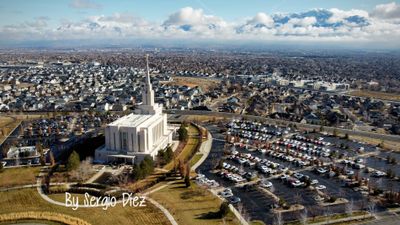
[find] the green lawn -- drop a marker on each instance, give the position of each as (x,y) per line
(190,146)
(195,159)
(29,200)
(188,205)
(12,177)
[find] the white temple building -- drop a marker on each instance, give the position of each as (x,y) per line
(144,132)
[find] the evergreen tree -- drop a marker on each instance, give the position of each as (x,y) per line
(137,173)
(183,133)
(73,161)
(169,154)
(224,209)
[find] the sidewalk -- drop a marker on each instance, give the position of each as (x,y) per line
(205,149)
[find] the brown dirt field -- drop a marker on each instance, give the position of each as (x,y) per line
(204,83)
(376,94)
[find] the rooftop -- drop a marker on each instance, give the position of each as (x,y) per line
(132,120)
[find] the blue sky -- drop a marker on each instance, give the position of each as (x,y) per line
(354,20)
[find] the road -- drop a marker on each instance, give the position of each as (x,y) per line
(386,137)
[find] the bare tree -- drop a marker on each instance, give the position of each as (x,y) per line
(84,170)
(350,207)
(303,217)
(372,208)
(278,219)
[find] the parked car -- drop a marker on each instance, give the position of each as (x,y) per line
(321,170)
(314,182)
(234,200)
(297,183)
(266,184)
(320,187)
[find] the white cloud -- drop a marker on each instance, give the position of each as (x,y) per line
(263,19)
(303,22)
(339,15)
(387,11)
(193,24)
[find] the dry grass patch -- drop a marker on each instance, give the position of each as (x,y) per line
(204,83)
(376,94)
(12,177)
(7,125)
(190,205)
(29,200)
(47,216)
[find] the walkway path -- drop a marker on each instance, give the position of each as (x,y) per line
(205,149)
(48,199)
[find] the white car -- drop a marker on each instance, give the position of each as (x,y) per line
(378,174)
(284,177)
(314,182)
(298,175)
(297,183)
(266,184)
(349,172)
(321,170)
(320,187)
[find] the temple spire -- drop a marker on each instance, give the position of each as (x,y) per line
(148,82)
(148,98)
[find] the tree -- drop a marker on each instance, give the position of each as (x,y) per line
(169,154)
(52,160)
(39,148)
(183,133)
(73,161)
(181,168)
(187,175)
(335,132)
(137,173)
(84,170)
(224,209)
(1,166)
(147,166)
(321,129)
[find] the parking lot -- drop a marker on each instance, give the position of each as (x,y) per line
(290,168)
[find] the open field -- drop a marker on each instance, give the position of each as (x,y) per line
(388,145)
(29,200)
(12,177)
(376,94)
(204,83)
(7,125)
(190,205)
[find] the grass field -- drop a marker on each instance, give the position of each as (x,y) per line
(376,94)
(12,177)
(188,205)
(7,124)
(204,83)
(29,200)
(190,146)
(195,159)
